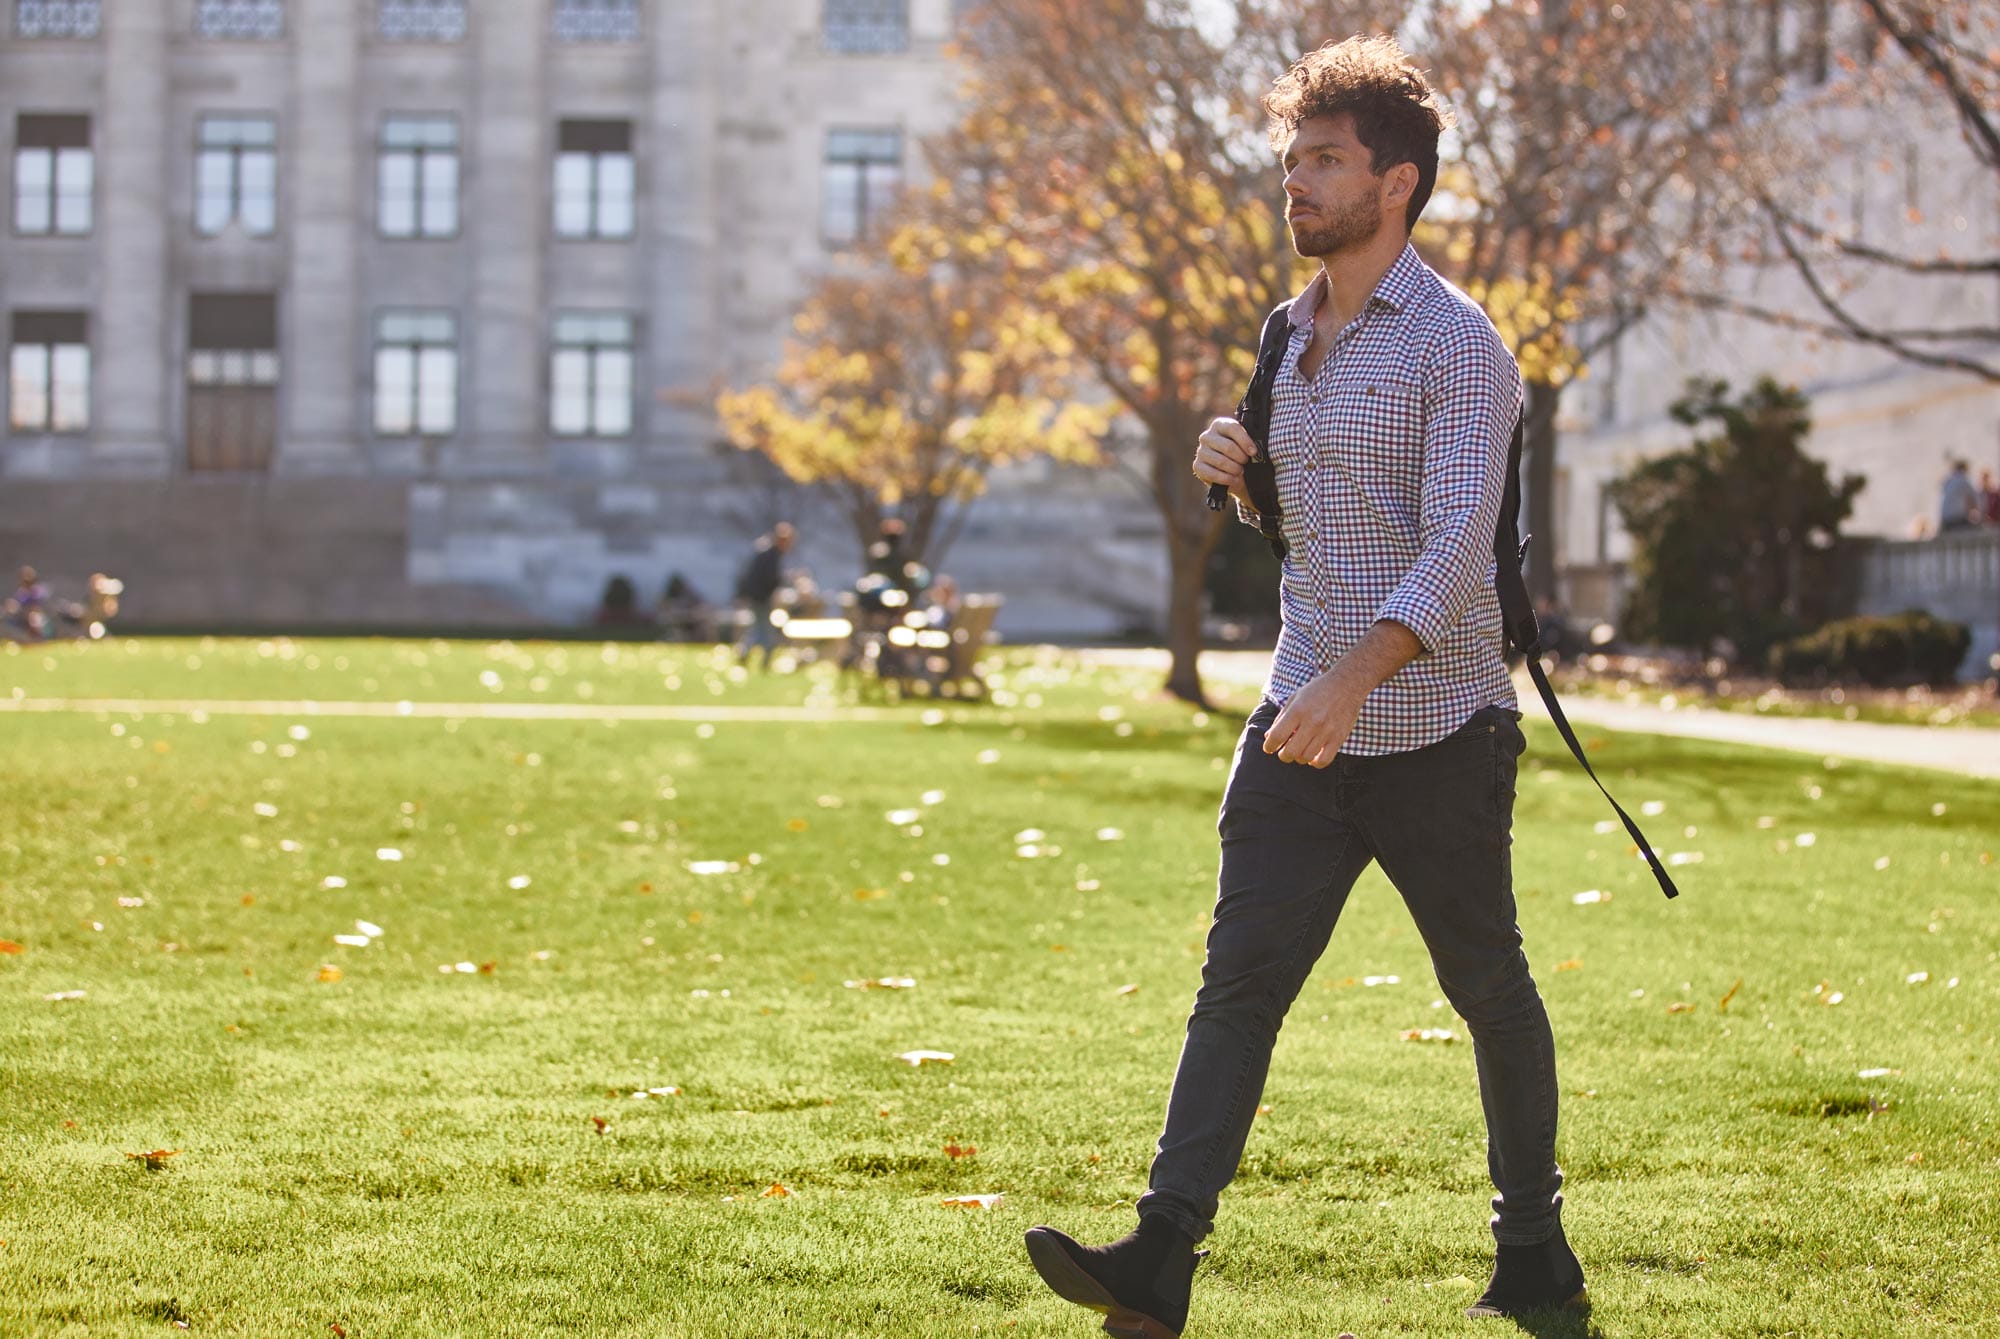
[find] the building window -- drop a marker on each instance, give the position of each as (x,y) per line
(416,374)
(594,183)
(236,175)
(48,372)
(232,374)
(590,375)
(57,18)
(54,173)
(862,172)
(239,19)
(596,20)
(866,27)
(416,176)
(421,20)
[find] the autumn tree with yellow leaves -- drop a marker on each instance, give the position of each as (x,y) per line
(916,369)
(1569,198)
(1119,147)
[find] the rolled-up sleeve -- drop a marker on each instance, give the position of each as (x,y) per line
(1472,398)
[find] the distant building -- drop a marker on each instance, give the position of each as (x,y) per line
(364,311)
(1912,188)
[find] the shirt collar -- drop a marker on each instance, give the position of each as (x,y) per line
(1397,288)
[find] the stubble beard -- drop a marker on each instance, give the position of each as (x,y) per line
(1348,226)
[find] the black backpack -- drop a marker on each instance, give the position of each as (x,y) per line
(1517,611)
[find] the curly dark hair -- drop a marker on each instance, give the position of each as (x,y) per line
(1397,117)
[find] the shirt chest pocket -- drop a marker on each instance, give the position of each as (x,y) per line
(1373,435)
(1377,420)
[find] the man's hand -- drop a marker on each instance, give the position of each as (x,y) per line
(1220,455)
(1317,720)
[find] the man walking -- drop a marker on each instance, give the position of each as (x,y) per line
(1388,730)
(762,575)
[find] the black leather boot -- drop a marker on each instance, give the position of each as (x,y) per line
(1140,1282)
(1541,1277)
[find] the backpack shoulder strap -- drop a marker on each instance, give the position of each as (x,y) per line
(1524,634)
(1260,476)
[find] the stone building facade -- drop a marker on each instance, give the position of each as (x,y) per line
(411,311)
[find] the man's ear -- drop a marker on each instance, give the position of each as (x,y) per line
(1402,183)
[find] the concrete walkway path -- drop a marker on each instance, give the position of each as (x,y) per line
(1968,750)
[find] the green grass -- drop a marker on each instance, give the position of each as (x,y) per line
(1965,706)
(409,1152)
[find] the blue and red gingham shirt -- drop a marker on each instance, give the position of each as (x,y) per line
(1391,462)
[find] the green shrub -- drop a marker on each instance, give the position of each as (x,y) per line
(1906,647)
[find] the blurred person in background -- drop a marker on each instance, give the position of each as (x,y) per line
(1958,500)
(27,609)
(757,587)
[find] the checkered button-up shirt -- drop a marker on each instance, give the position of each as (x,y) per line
(1391,462)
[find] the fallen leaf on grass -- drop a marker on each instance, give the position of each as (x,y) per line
(1132,989)
(972,1201)
(329,973)
(155,1159)
(884,983)
(798,825)
(917,1059)
(601,1123)
(868,894)
(1730,994)
(1680,1007)
(776,1192)
(1429,1034)
(9,946)
(1264,1108)
(957,1151)
(60,995)
(1570,965)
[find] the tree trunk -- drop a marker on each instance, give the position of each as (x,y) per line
(1187,564)
(1538,445)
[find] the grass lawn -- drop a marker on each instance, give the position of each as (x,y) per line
(370,1138)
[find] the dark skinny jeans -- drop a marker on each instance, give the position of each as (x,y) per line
(1294,840)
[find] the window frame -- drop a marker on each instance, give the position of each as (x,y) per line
(592,349)
(53,196)
(96,7)
(50,397)
(234,153)
(414,345)
(561,38)
(382,8)
(832,47)
(866,207)
(419,154)
(284,24)
(593,193)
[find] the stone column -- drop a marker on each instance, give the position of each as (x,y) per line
(685,279)
(322,385)
(131,330)
(507,215)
